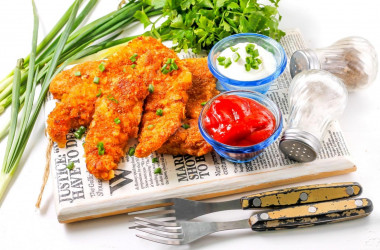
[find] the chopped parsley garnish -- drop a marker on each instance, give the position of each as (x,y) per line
(102,67)
(157,171)
(77,73)
(79,133)
(169,66)
(70,166)
(117,120)
(133,58)
(96,80)
(159,112)
(151,88)
(185,126)
(99,93)
(203,103)
(154,160)
(101,149)
(133,66)
(131,151)
(150,126)
(111,98)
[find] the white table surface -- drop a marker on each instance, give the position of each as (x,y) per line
(322,22)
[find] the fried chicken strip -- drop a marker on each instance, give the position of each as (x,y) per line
(116,112)
(190,141)
(79,87)
(170,96)
(75,110)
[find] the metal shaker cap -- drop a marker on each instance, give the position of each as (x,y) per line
(303,60)
(299,145)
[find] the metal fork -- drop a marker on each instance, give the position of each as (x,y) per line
(184,232)
(184,209)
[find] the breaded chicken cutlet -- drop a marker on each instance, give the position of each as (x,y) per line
(188,139)
(115,109)
(164,108)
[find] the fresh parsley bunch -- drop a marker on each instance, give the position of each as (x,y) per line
(199,24)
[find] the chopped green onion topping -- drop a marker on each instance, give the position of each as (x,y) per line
(96,80)
(100,147)
(227,62)
(133,66)
(70,166)
(102,67)
(99,93)
(133,58)
(171,64)
(111,98)
(151,88)
(236,57)
(131,151)
(252,61)
(117,120)
(159,112)
(185,126)
(154,160)
(221,60)
(79,133)
(234,49)
(124,70)
(77,73)
(203,103)
(150,126)
(157,171)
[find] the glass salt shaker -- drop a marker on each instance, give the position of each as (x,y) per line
(316,97)
(353,59)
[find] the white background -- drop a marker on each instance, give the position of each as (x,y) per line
(322,22)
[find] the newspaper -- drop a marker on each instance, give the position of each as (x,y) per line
(79,195)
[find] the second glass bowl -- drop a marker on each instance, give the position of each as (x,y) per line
(261,85)
(247,153)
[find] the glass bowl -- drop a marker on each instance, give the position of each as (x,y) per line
(261,85)
(246,153)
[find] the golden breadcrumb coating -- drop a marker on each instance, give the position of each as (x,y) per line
(119,96)
(169,95)
(190,141)
(75,110)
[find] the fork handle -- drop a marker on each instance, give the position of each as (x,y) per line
(311,214)
(301,195)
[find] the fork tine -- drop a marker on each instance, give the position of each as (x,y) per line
(161,234)
(166,219)
(160,228)
(162,241)
(157,222)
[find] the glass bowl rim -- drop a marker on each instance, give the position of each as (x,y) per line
(279,68)
(243,149)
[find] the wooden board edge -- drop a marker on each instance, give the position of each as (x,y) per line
(218,194)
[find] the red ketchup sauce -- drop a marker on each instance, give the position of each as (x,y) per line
(238,121)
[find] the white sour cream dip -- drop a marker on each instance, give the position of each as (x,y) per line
(237,69)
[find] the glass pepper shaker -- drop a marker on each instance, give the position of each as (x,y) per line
(353,59)
(316,97)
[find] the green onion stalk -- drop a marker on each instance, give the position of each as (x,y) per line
(45,61)
(79,40)
(82,37)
